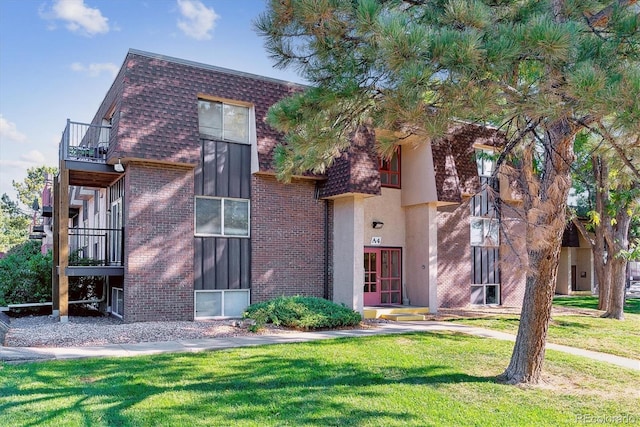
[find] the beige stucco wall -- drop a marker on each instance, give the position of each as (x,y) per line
(584,267)
(421,260)
(385,208)
(418,178)
(563,282)
(348,251)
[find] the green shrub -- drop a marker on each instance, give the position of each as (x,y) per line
(302,313)
(25,274)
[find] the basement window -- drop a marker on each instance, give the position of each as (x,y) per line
(220,303)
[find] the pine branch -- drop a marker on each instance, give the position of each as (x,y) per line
(601,19)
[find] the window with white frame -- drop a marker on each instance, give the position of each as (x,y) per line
(223,121)
(485,232)
(486,161)
(117,302)
(220,303)
(219,216)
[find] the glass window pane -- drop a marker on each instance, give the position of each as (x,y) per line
(208,216)
(236,217)
(477,295)
(235,303)
(384,285)
(492,230)
(236,123)
(394,163)
(208,304)
(384,299)
(477,231)
(395,298)
(210,118)
(395,264)
(491,294)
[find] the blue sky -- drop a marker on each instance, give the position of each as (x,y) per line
(58,58)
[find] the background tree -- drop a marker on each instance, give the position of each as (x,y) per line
(14,224)
(608,184)
(31,187)
(541,70)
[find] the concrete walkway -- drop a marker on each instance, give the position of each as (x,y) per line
(31,354)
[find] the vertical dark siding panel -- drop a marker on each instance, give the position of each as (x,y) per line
(208,263)
(222,158)
(209,171)
(245,264)
(477,269)
(197,265)
(485,265)
(222,265)
(245,190)
(492,266)
(236,171)
(234,264)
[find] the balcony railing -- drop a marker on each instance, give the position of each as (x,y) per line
(85,142)
(96,246)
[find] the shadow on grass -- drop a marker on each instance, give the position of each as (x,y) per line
(301,387)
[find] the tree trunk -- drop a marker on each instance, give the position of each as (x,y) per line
(545,203)
(602,265)
(619,265)
(618,285)
(528,352)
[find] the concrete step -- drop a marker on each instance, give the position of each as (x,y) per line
(402,317)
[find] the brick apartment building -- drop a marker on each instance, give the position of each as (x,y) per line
(171,192)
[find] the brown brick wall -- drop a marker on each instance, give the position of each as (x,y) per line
(287,239)
(454,256)
(158,117)
(513,254)
(159,254)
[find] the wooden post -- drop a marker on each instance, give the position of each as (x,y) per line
(55,284)
(63,235)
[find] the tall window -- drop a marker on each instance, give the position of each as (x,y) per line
(217,216)
(390,171)
(225,122)
(485,236)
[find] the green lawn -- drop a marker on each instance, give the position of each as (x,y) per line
(586,330)
(632,305)
(428,379)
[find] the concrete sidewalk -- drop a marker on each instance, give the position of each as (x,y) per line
(31,354)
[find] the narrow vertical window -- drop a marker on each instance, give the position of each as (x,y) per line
(390,171)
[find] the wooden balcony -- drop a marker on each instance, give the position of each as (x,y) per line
(84,150)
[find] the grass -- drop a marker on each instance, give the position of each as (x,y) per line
(632,305)
(396,380)
(583,329)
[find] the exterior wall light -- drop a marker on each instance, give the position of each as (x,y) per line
(118,167)
(377,224)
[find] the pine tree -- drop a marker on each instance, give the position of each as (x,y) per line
(540,70)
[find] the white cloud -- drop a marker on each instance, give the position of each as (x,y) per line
(34,157)
(199,20)
(79,17)
(9,131)
(95,69)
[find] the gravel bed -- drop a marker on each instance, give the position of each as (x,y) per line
(45,331)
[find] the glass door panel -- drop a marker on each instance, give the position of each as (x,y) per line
(383,276)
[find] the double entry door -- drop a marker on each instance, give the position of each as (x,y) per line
(382,276)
